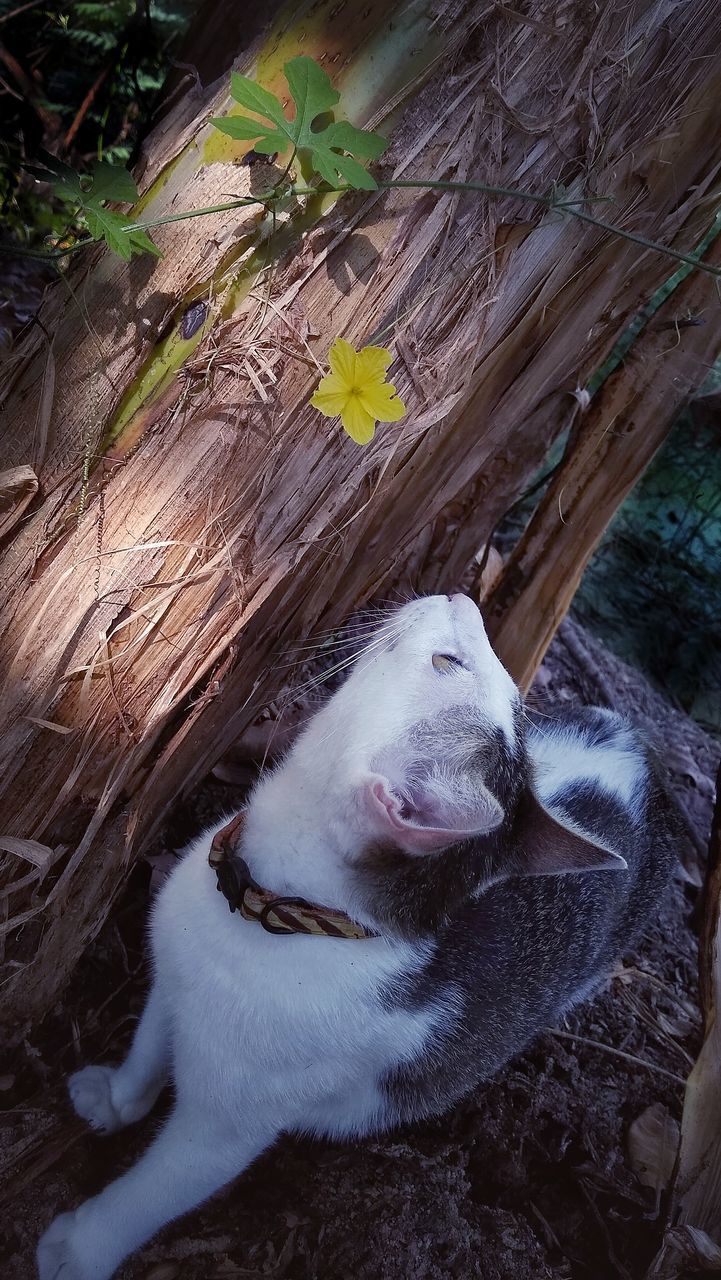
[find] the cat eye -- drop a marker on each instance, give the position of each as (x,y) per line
(445,662)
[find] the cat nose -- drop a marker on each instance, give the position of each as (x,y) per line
(465,606)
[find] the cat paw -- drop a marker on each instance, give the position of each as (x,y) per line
(55,1255)
(91,1095)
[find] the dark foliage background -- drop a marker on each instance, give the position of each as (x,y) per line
(652,592)
(81,80)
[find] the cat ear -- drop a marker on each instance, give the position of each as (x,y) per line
(553,845)
(430,822)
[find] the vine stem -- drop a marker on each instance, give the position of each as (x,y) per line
(54,254)
(565,206)
(617,1053)
(240,203)
(428,184)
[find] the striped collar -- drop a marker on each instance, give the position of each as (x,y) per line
(277,915)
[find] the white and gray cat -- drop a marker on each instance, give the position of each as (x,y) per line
(424,804)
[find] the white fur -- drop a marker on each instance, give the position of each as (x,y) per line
(562,757)
(264,1034)
(267,1035)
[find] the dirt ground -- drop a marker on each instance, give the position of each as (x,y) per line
(529,1178)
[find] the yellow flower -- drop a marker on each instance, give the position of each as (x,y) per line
(356,388)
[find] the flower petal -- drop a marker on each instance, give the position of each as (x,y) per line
(342,360)
(330,403)
(359,424)
(332,383)
(371,363)
(382,402)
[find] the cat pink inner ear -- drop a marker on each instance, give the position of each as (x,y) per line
(405,827)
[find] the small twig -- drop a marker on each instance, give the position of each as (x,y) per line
(657,1031)
(710,913)
(32,4)
(9,89)
(612,1256)
(550,1233)
(27,85)
(86,104)
(580,656)
(617,1053)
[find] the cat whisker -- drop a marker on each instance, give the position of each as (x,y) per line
(350,628)
(375,645)
(336,641)
(350,642)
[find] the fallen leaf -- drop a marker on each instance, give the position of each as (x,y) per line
(685,1249)
(680,1023)
(653,1140)
(18,487)
(696,1246)
(164,1271)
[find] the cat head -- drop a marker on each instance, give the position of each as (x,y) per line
(423,752)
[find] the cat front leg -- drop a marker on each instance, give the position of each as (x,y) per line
(191,1159)
(111,1097)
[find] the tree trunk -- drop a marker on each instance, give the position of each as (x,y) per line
(195,514)
(612,445)
(692,1241)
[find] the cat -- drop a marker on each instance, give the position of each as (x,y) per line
(489,865)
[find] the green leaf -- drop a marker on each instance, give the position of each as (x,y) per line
(349,169)
(106,182)
(360,142)
(244,129)
(107,226)
(112,182)
(65,181)
(104,224)
(312,93)
(88,192)
(332,150)
(270,144)
(254,97)
(141,243)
